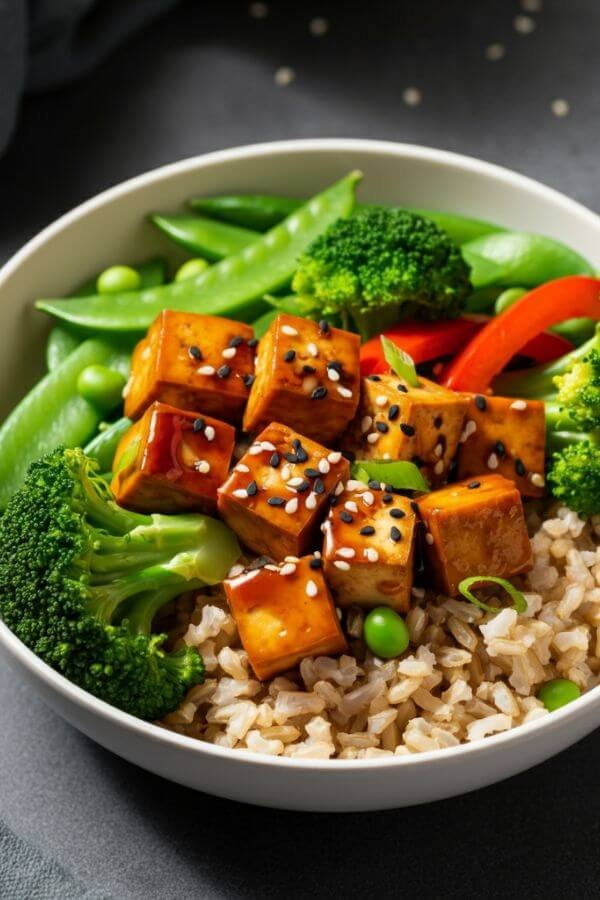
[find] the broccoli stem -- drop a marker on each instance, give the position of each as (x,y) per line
(538,383)
(139,613)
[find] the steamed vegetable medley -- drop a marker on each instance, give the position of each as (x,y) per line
(310,464)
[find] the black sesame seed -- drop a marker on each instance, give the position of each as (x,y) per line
(224,371)
(402,388)
(319,393)
(236,341)
(396,513)
(312,473)
(308,370)
(383,427)
(389,488)
(316,563)
(387,498)
(276,501)
(253,342)
(318,486)
(414,506)
(375,485)
(252,489)
(195,352)
(249,380)
(473,484)
(367,529)
(346,517)
(289,356)
(350,455)
(437,422)
(302,455)
(303,487)
(520,467)
(395,533)
(480,402)
(198,425)
(324,326)
(500,449)
(335,365)
(296,443)
(373,377)
(291,457)
(408,430)
(333,500)
(393,412)
(258,563)
(275,459)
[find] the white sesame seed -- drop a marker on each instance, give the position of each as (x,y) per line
(242,467)
(284,76)
(206,370)
(493,461)
(229,352)
(366,423)
(439,467)
(267,445)
(560,108)
(288,569)
(429,538)
(439,450)
(291,506)
(311,588)
(311,501)
(371,554)
(354,485)
(524,24)
(258,10)
(518,404)
(341,564)
(346,552)
(318,26)
(323,466)
(469,429)
(373,437)
(293,559)
(537,480)
(240,493)
(334,457)
(235,571)
(412,96)
(295,481)
(209,433)
(317,554)
(255,449)
(381,400)
(333,374)
(202,466)
(286,472)
(289,330)
(271,567)
(339,489)
(351,506)
(312,349)
(324,527)
(368,498)
(495,52)
(344,392)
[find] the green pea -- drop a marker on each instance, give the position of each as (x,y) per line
(506,299)
(101,386)
(191,269)
(386,635)
(557,693)
(117,279)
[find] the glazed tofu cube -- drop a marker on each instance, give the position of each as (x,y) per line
(505,436)
(369,547)
(204,363)
(172,460)
(283,613)
(474,527)
(307,376)
(396,421)
(279,492)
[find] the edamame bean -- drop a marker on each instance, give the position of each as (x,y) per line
(101,386)
(191,269)
(116,279)
(385,632)
(557,693)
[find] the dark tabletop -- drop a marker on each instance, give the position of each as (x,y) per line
(204,78)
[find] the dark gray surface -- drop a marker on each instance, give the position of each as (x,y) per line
(201,80)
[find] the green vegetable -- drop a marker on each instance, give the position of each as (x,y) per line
(103,446)
(385,632)
(229,288)
(381,266)
(81,580)
(399,361)
(579,390)
(557,693)
(191,269)
(53,413)
(262,324)
(152,272)
(204,237)
(518,259)
(507,298)
(400,474)
(101,386)
(117,279)
(574,475)
(518,600)
(61,343)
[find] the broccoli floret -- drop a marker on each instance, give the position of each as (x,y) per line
(579,391)
(81,580)
(381,266)
(574,476)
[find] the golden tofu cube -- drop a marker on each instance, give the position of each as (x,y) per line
(279,492)
(172,460)
(369,546)
(204,363)
(284,613)
(396,421)
(505,436)
(474,527)
(307,376)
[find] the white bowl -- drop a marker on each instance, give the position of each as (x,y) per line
(112,228)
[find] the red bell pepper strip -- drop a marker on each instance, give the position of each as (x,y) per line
(503,337)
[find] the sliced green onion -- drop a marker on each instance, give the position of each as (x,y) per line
(399,361)
(519,602)
(399,473)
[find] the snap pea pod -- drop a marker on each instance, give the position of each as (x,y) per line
(203,237)
(229,288)
(103,446)
(61,343)
(259,211)
(520,259)
(53,413)
(578,331)
(261,325)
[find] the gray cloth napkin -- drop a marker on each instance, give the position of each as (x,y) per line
(47,43)
(27,875)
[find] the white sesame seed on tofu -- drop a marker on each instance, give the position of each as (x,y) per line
(312,349)
(202,466)
(344,392)
(381,400)
(518,404)
(371,554)
(235,571)
(439,467)
(287,569)
(292,559)
(268,446)
(493,461)
(289,330)
(354,485)
(271,567)
(291,506)
(334,457)
(366,423)
(368,498)
(373,437)
(206,370)
(346,552)
(242,467)
(429,538)
(229,352)
(311,501)
(439,450)
(240,493)
(342,565)
(209,433)
(333,374)
(537,479)
(255,449)
(311,588)
(295,482)
(339,489)
(323,466)
(351,506)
